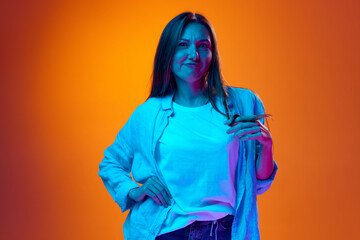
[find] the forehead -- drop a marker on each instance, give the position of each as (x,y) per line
(195,31)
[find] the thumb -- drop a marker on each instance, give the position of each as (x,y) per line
(228,121)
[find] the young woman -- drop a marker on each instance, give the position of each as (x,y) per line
(199,148)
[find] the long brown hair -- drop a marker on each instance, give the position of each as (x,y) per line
(163,81)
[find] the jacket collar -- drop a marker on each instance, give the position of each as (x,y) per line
(167,101)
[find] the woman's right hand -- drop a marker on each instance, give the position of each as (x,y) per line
(154,189)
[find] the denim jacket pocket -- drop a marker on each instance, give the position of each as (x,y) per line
(141,219)
(145,211)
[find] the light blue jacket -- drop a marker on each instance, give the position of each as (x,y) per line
(133,151)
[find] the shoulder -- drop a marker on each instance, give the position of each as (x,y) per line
(151,104)
(238,90)
(148,108)
(240,93)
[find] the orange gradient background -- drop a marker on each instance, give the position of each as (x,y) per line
(72,72)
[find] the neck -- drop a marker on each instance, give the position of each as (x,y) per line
(190,94)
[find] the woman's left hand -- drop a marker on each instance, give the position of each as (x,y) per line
(249,128)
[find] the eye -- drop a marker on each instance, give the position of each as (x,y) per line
(206,46)
(182,44)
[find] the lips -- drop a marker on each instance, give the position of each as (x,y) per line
(192,64)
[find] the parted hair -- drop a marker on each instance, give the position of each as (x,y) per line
(163,80)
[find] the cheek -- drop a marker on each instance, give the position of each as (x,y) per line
(209,57)
(206,56)
(178,62)
(207,60)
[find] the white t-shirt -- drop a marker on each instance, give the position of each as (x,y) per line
(198,161)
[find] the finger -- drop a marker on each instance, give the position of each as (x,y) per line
(162,195)
(263,127)
(235,120)
(247,131)
(151,192)
(238,118)
(162,188)
(240,126)
(166,189)
(228,121)
(158,195)
(251,136)
(247,118)
(156,189)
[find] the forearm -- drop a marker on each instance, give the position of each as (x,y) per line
(264,162)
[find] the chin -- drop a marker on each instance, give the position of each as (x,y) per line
(191,80)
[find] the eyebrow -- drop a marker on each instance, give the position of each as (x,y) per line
(202,40)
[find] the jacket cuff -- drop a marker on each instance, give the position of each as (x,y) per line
(121,195)
(263,185)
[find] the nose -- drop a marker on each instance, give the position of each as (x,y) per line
(193,53)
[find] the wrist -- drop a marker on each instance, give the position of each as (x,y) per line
(131,192)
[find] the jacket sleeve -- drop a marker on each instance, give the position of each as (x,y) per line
(116,165)
(262,185)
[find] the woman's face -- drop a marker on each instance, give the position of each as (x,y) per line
(193,48)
